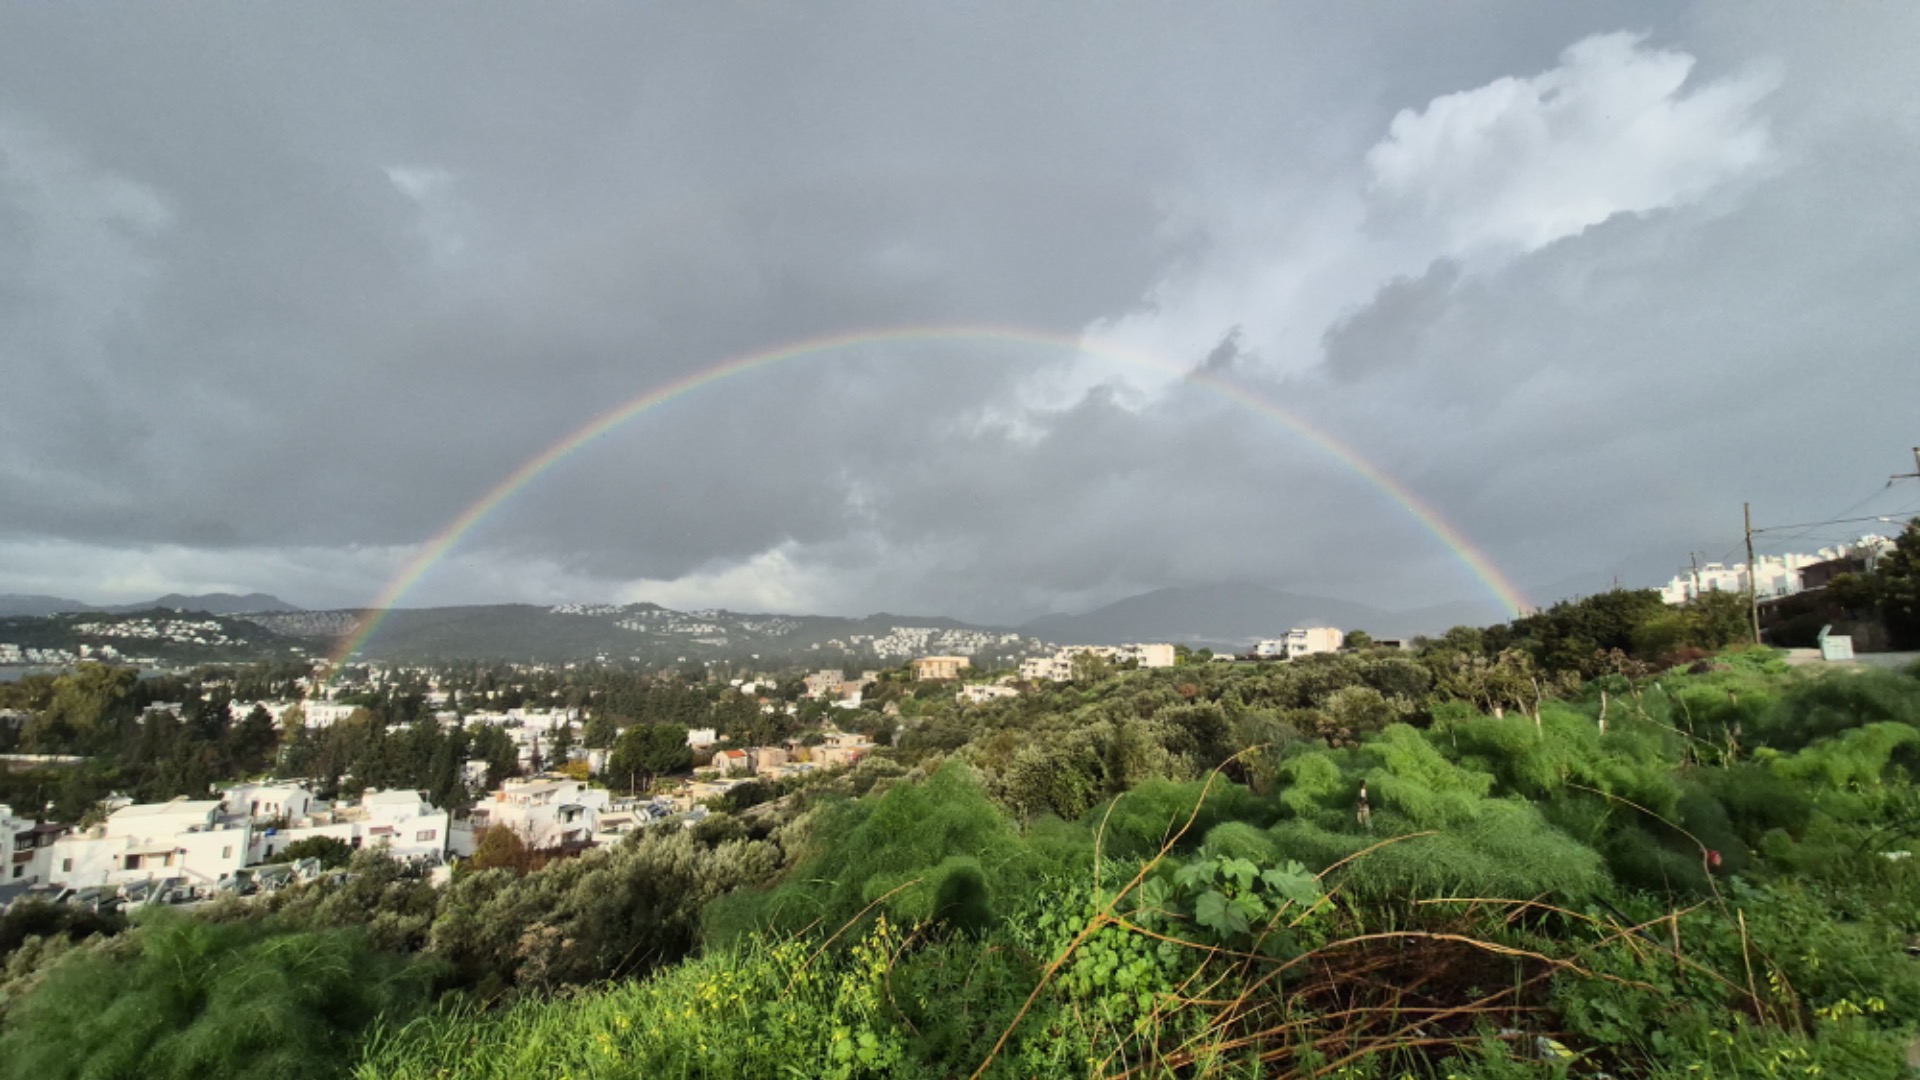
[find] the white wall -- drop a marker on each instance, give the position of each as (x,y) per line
(261,801)
(201,849)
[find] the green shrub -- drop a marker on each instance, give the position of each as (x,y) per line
(894,853)
(1240,840)
(1505,850)
(608,913)
(1140,822)
(30,917)
(332,852)
(1820,708)
(180,997)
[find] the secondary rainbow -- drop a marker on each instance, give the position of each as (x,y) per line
(1503,590)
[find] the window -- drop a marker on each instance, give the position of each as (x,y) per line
(226,852)
(66,866)
(18,869)
(133,862)
(426,834)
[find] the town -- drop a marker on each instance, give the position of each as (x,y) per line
(562,773)
(562,795)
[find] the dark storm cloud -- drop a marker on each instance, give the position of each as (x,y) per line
(1224,355)
(283,290)
(598,237)
(1387,332)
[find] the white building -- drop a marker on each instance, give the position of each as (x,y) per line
(313,714)
(1774,575)
(239,710)
(543,811)
(1306,641)
(266,801)
(1302,641)
(1059,666)
(29,847)
(187,840)
(981,693)
(402,823)
(530,729)
(623,816)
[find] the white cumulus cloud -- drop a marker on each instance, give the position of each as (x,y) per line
(1615,128)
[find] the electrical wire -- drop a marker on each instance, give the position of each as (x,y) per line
(1881,490)
(1893,517)
(1818,524)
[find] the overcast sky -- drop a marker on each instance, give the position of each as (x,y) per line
(285,288)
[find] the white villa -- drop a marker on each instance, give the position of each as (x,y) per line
(402,822)
(314,714)
(981,693)
(203,843)
(1059,666)
(545,811)
(1302,641)
(185,839)
(29,848)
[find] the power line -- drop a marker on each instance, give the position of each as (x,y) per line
(1841,518)
(1881,490)
(1818,524)
(1801,530)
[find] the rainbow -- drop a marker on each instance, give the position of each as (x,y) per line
(435,549)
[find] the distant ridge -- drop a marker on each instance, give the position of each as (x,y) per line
(12,604)
(211,603)
(16,604)
(1234,616)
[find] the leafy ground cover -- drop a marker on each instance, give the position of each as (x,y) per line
(1714,881)
(1337,868)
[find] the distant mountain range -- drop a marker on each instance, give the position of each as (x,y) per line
(1222,617)
(1235,616)
(211,603)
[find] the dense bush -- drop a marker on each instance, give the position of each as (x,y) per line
(610,913)
(1652,874)
(188,998)
(912,853)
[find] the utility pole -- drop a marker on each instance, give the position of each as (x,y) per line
(1753,596)
(1915,474)
(1694,558)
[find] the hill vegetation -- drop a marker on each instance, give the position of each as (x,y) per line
(1603,840)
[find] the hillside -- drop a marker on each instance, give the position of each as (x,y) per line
(1233,616)
(958,921)
(12,604)
(1693,873)
(1604,840)
(211,603)
(649,633)
(157,634)
(1223,617)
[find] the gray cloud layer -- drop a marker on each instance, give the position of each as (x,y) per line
(283,291)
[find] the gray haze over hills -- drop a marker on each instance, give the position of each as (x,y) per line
(1227,618)
(1235,616)
(211,603)
(1578,279)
